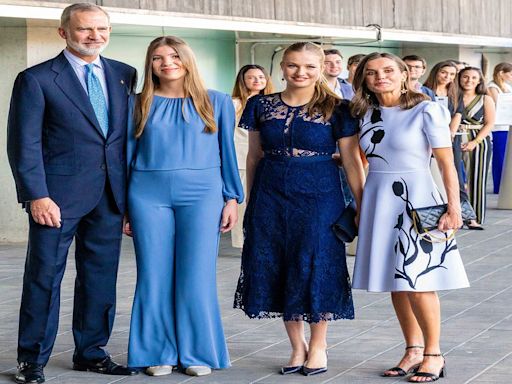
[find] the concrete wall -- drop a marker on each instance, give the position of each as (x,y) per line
(472,56)
(13,59)
(23,46)
(215,57)
(468,17)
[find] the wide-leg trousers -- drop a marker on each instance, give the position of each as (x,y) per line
(479,161)
(175,218)
(462,173)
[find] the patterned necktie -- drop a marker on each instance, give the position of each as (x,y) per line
(97,98)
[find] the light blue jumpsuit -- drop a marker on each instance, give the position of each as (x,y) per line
(179,178)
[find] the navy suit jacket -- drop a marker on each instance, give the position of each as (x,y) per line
(54,141)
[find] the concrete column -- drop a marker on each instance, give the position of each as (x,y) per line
(13,40)
(43,41)
(24,43)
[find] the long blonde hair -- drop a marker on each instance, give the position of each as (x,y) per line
(193,85)
(324,100)
(364,98)
(240,90)
(501,67)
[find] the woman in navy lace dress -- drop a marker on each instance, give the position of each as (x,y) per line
(292,264)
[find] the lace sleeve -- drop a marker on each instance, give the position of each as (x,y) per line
(249,119)
(343,124)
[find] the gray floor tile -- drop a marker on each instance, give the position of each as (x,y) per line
(476,335)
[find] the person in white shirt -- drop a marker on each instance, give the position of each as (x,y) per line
(252,79)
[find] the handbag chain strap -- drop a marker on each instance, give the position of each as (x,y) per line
(426,232)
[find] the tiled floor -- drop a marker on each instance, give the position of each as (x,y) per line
(477,323)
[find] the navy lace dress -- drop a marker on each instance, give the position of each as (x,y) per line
(292,264)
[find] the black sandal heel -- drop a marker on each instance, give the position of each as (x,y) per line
(431,376)
(401,372)
(477,227)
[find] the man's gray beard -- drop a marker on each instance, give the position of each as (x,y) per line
(85,51)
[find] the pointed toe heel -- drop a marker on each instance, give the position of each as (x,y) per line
(313,371)
(290,370)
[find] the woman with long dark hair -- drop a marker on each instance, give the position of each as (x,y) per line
(183,189)
(442,79)
(400,129)
(477,121)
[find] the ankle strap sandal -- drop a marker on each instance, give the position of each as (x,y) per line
(399,372)
(430,376)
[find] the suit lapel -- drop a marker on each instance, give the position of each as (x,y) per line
(69,84)
(117,93)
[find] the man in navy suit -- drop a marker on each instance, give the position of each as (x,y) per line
(66,147)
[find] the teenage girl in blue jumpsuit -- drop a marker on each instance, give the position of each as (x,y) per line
(183,189)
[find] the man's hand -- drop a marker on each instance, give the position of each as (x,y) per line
(45,212)
(127,228)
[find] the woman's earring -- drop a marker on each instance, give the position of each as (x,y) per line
(403,90)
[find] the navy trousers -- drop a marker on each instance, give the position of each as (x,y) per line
(97,238)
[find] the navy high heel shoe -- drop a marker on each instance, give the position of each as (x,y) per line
(289,370)
(315,371)
(293,369)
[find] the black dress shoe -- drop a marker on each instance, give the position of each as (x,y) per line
(29,373)
(106,366)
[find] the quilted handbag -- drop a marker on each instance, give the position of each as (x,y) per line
(426,219)
(467,211)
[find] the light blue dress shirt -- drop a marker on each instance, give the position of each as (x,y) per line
(78,66)
(347,91)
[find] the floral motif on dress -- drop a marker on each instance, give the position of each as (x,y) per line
(409,242)
(274,108)
(373,127)
(315,118)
